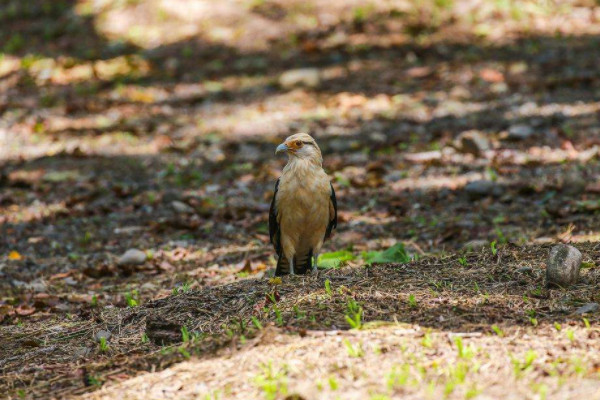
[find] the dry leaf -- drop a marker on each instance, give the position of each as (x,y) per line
(15,255)
(24,310)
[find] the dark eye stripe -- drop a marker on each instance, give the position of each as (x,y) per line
(310,143)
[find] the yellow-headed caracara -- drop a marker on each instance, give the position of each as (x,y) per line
(303,210)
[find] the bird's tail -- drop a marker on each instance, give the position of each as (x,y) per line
(302,264)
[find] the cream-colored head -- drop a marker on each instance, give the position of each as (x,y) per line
(301,146)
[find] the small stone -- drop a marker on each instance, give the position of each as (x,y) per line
(37,285)
(70,281)
(563,266)
(520,132)
(308,77)
(588,308)
(102,334)
(81,352)
(476,244)
(378,137)
(132,257)
(482,188)
(148,286)
(181,207)
(473,142)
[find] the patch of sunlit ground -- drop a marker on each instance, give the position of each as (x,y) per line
(253,24)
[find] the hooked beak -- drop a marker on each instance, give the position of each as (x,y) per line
(282,148)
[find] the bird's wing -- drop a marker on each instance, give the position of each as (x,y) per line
(332,213)
(274,231)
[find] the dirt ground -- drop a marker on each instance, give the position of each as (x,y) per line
(152,125)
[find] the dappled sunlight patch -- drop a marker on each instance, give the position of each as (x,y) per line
(15,214)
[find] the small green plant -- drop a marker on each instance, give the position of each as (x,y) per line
(557,326)
(463,261)
(541,389)
(494,248)
(570,335)
(465,352)
(145,338)
(185,334)
(278,316)
(183,351)
(526,365)
(353,351)
(256,323)
(328,287)
(395,254)
(335,259)
(131,298)
(354,314)
(333,384)
(299,314)
(398,377)
(427,340)
(412,301)
(273,383)
(94,302)
(86,239)
(103,345)
(586,322)
(497,330)
(93,381)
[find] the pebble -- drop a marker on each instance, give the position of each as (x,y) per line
(102,334)
(563,266)
(476,244)
(132,257)
(70,281)
(588,308)
(308,77)
(148,286)
(181,207)
(473,142)
(520,132)
(482,188)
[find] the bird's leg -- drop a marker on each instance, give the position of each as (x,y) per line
(315,266)
(291,261)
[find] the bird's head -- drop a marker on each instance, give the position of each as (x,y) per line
(301,146)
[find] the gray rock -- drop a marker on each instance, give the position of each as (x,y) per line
(588,308)
(473,142)
(70,281)
(37,285)
(563,266)
(308,77)
(520,132)
(102,334)
(181,207)
(132,257)
(482,188)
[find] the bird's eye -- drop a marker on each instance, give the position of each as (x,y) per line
(298,143)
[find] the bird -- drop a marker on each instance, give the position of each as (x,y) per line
(303,210)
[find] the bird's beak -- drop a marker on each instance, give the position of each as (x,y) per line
(282,148)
